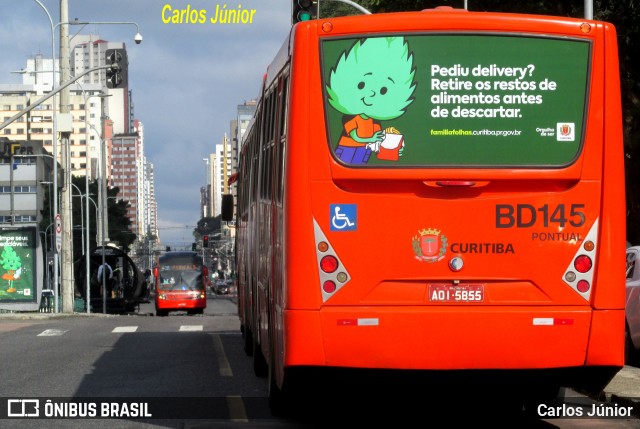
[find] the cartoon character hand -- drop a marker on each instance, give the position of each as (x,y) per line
(378,136)
(374,147)
(401,149)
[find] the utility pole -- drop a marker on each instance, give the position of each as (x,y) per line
(67,287)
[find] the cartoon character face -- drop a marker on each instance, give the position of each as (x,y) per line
(375,79)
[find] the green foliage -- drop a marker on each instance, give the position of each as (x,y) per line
(119,224)
(207,226)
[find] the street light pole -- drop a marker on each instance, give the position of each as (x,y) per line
(54,142)
(65,202)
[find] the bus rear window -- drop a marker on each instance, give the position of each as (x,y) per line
(180,280)
(455,100)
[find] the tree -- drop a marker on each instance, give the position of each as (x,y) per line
(207,226)
(119,224)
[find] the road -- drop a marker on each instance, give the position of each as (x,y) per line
(192,372)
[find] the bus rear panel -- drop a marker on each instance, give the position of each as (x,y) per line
(453,199)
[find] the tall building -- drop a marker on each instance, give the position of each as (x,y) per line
(26,172)
(90,51)
(37,125)
(125,173)
(206,191)
(220,171)
(245,114)
(101,121)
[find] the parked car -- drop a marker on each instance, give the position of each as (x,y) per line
(632,308)
(220,287)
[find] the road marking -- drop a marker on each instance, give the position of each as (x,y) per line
(190,328)
(225,368)
(237,412)
(51,333)
(125,329)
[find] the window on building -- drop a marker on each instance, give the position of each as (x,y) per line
(25,189)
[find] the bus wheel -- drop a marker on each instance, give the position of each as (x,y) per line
(277,398)
(161,313)
(248,341)
(260,367)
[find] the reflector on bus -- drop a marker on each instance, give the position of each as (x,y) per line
(333,274)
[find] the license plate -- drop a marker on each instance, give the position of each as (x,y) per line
(456,293)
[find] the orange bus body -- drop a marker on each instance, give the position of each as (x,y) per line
(474,266)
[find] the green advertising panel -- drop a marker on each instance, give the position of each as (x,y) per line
(18,265)
(455,99)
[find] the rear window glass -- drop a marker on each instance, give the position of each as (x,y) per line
(461,100)
(180,280)
(180,271)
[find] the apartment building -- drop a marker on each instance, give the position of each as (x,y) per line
(104,133)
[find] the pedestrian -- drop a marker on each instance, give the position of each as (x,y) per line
(107,280)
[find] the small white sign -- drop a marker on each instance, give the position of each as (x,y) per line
(58,227)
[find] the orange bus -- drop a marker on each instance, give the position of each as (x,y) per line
(437,190)
(180,283)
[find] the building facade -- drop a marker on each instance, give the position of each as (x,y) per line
(104,134)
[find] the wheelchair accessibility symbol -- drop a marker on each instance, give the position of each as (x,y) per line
(343,217)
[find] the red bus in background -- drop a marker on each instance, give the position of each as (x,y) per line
(436,191)
(180,283)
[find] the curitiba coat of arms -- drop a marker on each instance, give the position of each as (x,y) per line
(429,245)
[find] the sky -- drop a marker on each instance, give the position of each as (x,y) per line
(187,79)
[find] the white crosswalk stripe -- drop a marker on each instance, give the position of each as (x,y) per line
(51,333)
(120,329)
(124,329)
(190,328)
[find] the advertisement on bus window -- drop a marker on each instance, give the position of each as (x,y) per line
(455,99)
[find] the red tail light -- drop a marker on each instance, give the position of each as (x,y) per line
(583,286)
(583,263)
(329,286)
(329,264)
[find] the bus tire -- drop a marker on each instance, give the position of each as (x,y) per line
(260,367)
(248,341)
(277,397)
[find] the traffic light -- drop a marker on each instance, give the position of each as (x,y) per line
(303,10)
(117,72)
(193,247)
(205,241)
